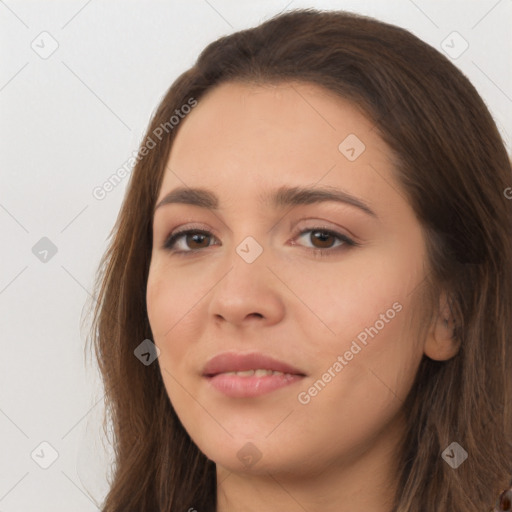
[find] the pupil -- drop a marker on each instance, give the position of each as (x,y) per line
(196,235)
(321,236)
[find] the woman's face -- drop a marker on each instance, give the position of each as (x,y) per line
(273,273)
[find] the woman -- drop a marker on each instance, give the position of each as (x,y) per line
(317,238)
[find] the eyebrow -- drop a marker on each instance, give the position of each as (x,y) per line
(280,198)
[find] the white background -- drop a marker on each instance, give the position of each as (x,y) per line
(70,121)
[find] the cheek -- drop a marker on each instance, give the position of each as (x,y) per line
(363,379)
(358,297)
(155,298)
(164,312)
(364,316)
(171,317)
(173,305)
(170,299)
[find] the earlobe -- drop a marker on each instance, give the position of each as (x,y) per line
(440,343)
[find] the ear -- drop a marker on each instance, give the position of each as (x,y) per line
(440,344)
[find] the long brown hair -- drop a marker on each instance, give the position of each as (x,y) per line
(453,168)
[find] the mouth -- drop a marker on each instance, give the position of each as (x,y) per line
(249,375)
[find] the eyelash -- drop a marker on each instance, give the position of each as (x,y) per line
(170,242)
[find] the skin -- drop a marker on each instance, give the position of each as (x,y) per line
(338,451)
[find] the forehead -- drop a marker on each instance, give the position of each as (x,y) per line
(246,136)
(293,111)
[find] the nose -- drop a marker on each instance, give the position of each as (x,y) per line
(247,294)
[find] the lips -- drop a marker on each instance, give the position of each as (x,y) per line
(233,362)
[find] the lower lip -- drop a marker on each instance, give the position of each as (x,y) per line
(242,387)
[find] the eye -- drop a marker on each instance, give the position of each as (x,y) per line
(193,240)
(196,237)
(323,240)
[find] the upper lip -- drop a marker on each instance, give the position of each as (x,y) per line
(236,362)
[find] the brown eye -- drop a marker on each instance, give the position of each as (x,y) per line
(324,238)
(196,240)
(188,241)
(325,241)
